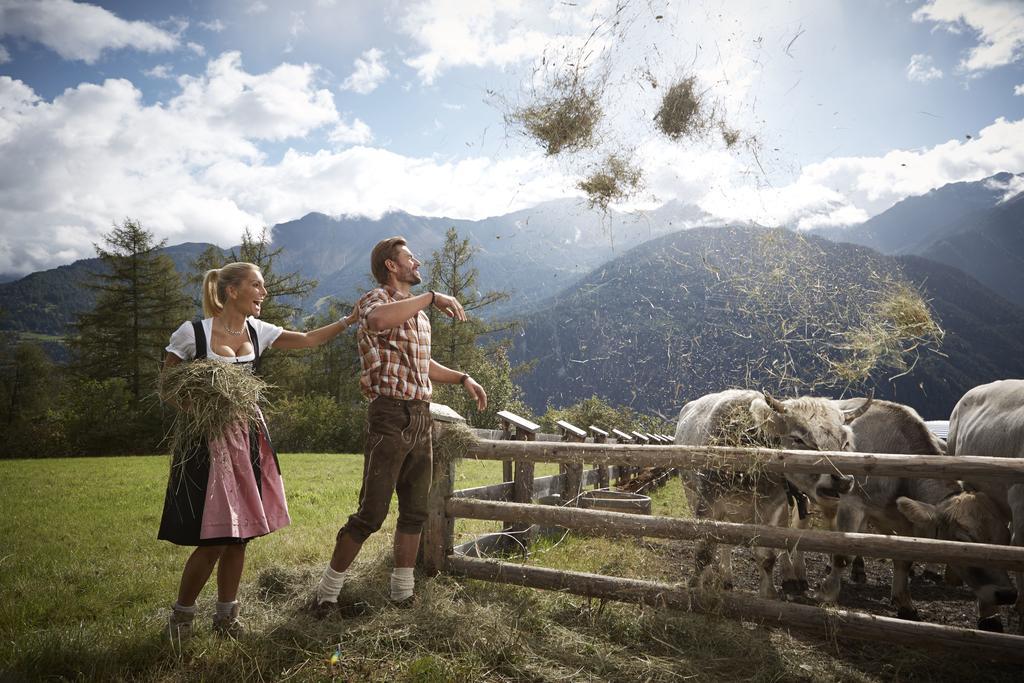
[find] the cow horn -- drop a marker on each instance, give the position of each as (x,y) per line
(851,415)
(774,403)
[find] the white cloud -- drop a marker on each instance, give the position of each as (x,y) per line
(160,71)
(5,56)
(1018,89)
(258,7)
(999,25)
(98,153)
(355,133)
(454,33)
(1011,188)
(196,48)
(216,25)
(922,69)
(79,31)
(370,72)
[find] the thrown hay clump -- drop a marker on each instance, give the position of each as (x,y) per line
(730,136)
(616,179)
(209,396)
(683,111)
(564,119)
(897,324)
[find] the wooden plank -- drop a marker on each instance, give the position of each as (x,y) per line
(542,486)
(812,540)
(598,433)
(622,437)
(803,462)
(640,438)
(569,428)
(519,422)
(834,623)
(442,413)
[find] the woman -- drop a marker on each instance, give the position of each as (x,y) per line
(228,490)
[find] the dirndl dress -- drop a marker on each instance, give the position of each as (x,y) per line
(227,489)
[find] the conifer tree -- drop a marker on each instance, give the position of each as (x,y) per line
(139,302)
(457,344)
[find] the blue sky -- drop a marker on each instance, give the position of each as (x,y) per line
(202,118)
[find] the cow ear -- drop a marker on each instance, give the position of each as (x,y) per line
(767,418)
(918,513)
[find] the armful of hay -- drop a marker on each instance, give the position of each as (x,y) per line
(210,395)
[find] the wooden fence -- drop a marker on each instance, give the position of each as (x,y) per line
(512,504)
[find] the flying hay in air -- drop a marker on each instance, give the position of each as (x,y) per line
(614,180)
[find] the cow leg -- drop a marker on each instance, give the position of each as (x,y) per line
(850,517)
(900,594)
(857,571)
(794,571)
(766,563)
(1015,499)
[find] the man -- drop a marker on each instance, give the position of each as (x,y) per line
(397,374)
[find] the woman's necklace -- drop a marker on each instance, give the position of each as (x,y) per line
(233,333)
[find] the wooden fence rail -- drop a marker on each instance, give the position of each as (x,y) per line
(832,623)
(620,523)
(800,462)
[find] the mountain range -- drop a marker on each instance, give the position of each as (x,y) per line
(580,281)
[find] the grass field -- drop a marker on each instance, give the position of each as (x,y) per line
(85,586)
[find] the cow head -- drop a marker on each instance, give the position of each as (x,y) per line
(812,424)
(968,517)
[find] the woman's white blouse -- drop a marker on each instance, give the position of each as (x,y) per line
(183,340)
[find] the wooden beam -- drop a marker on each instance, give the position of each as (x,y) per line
(831,623)
(800,462)
(619,523)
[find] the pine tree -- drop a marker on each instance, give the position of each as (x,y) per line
(457,344)
(284,290)
(139,302)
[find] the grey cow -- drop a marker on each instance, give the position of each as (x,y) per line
(989,420)
(804,423)
(914,507)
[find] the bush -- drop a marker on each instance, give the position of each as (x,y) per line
(316,424)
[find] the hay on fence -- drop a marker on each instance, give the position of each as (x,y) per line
(614,180)
(563,119)
(683,111)
(209,396)
(452,442)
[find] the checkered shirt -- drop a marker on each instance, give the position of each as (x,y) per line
(396,361)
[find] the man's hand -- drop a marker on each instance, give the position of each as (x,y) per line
(451,307)
(477,392)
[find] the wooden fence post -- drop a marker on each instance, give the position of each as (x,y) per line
(439,530)
(624,470)
(522,477)
(573,472)
(600,436)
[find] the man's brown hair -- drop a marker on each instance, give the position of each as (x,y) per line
(385,249)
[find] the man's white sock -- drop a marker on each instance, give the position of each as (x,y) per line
(402,582)
(330,585)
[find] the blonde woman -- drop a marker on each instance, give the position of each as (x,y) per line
(228,490)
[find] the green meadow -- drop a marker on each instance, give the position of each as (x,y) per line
(85,587)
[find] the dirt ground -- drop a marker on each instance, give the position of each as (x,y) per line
(936,602)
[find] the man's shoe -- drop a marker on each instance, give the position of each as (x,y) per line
(405,603)
(228,625)
(347,608)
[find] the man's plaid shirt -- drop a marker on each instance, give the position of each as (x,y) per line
(396,361)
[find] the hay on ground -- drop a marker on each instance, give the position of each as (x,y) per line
(614,180)
(209,396)
(563,119)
